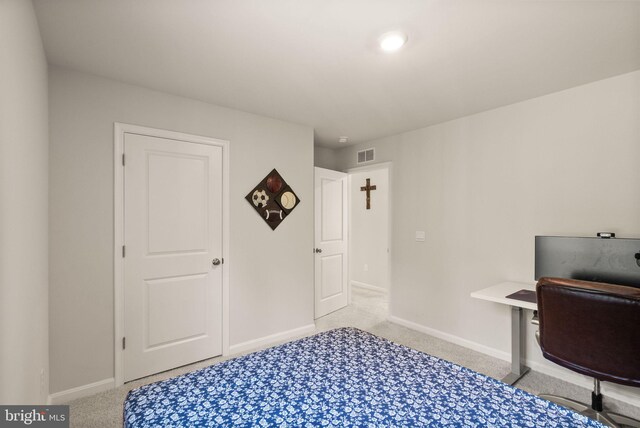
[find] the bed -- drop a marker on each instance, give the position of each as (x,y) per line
(340,378)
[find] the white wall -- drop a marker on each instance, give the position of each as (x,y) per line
(23,210)
(369,229)
(484,185)
(271,272)
(324,157)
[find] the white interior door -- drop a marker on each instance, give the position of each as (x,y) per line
(172,235)
(331,224)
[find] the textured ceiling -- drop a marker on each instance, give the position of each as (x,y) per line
(316,62)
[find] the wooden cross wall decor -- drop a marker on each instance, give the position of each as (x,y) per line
(368,188)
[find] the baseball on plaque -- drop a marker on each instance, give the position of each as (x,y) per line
(287,199)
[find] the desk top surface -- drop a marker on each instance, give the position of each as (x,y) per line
(497,293)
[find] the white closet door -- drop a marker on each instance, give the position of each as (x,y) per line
(173,234)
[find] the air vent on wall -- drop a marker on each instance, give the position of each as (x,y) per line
(366,155)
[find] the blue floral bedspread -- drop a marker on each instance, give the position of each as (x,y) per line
(340,378)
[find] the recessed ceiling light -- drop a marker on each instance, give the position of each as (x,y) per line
(392,41)
(343,139)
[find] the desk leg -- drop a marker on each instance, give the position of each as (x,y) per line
(517,348)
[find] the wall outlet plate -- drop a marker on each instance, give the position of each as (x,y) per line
(420,235)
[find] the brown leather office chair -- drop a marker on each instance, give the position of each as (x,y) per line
(594,329)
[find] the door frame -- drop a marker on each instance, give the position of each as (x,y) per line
(118,219)
(374,167)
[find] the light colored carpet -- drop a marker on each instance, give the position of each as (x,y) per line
(368,312)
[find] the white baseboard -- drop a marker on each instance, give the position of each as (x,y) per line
(626,395)
(268,340)
(364,285)
(617,392)
(505,356)
(68,395)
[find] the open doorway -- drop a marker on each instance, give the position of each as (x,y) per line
(342,220)
(369,237)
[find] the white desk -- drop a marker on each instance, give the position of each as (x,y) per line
(497,294)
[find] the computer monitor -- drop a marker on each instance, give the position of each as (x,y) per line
(614,260)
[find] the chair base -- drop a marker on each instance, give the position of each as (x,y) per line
(613,420)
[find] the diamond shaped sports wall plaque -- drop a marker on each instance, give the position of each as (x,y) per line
(273,199)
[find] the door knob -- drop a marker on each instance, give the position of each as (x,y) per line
(215,262)
(318,250)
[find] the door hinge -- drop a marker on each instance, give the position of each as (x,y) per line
(223,260)
(123,159)
(123,251)
(124,343)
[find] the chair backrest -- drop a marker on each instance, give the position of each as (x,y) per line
(591,328)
